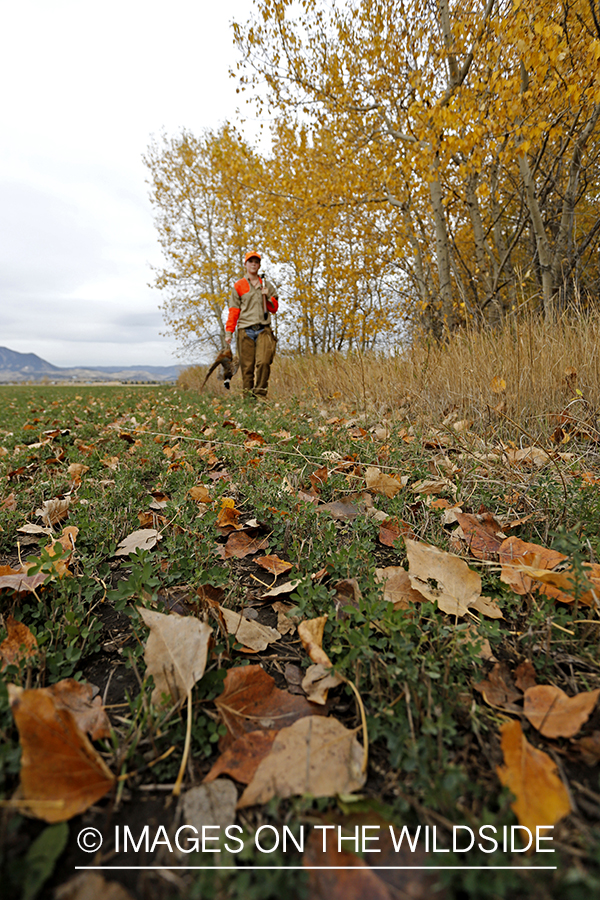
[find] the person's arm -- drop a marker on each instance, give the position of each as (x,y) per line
(234,310)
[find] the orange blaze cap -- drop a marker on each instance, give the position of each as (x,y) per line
(250,254)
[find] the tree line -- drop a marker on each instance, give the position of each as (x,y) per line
(431,163)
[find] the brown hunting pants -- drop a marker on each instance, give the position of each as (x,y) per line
(255,360)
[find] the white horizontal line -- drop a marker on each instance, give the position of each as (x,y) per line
(320,868)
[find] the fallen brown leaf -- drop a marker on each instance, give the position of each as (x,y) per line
(513,552)
(176,652)
(525,676)
(273,564)
(530,774)
(19,644)
(250,701)
(143,539)
(61,772)
(310,632)
(442,578)
(388,485)
(483,534)
(91,886)
(250,634)
(397,588)
(555,714)
(498,688)
(242,758)
(87,710)
(52,511)
(241,545)
(315,756)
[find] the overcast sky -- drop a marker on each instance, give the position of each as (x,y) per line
(85,86)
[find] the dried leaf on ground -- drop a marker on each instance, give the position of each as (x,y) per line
(315,756)
(176,652)
(589,747)
(532,456)
(87,711)
(210,804)
(442,577)
(273,564)
(19,644)
(561,586)
(16,580)
(318,681)
(228,515)
(530,774)
(482,534)
(285,623)
(498,688)
(250,701)
(200,493)
(143,539)
(340,509)
(250,634)
(397,588)
(525,676)
(391,529)
(347,593)
(388,485)
(341,875)
(241,545)
(61,772)
(433,486)
(52,511)
(487,607)
(286,588)
(473,639)
(554,713)
(514,552)
(9,503)
(310,632)
(29,528)
(241,759)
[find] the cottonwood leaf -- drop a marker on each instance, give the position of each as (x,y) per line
(397,588)
(554,713)
(200,493)
(250,701)
(87,710)
(143,539)
(310,632)
(514,553)
(15,580)
(487,607)
(241,759)
(442,577)
(241,545)
(273,564)
(61,772)
(483,534)
(498,688)
(52,511)
(388,485)
(176,652)
(18,645)
(250,634)
(318,681)
(530,774)
(315,756)
(286,588)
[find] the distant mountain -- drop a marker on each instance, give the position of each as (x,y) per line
(21,367)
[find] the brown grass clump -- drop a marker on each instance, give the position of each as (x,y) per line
(537,373)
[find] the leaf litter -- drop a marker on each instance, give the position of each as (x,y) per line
(275,742)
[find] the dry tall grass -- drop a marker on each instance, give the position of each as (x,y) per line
(548,367)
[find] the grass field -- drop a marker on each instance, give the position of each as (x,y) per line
(330,478)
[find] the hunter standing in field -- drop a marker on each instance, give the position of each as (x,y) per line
(253,299)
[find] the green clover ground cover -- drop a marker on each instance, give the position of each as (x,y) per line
(434,742)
